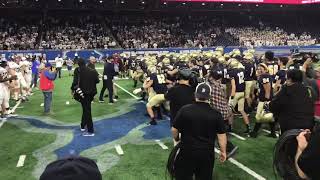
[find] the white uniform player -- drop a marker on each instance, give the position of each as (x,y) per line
(25,66)
(20,84)
(4,91)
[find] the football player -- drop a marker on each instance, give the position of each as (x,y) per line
(271,63)
(5,78)
(237,89)
(264,97)
(156,80)
(249,77)
(280,77)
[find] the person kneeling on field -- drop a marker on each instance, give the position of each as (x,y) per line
(157,81)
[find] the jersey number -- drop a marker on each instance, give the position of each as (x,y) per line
(251,72)
(161,79)
(241,77)
(273,69)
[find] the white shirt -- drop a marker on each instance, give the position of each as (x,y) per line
(59,62)
(3,74)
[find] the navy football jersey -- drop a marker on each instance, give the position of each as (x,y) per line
(281,75)
(180,65)
(273,67)
(226,76)
(264,79)
(238,76)
(132,64)
(159,83)
(250,71)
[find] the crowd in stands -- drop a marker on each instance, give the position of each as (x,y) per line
(76,33)
(256,37)
(16,34)
(95,32)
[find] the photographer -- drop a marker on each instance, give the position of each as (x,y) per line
(296,155)
(84,83)
(47,76)
(293,104)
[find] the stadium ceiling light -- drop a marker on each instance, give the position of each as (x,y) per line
(221,4)
(122,2)
(80,1)
(203,4)
(257,5)
(239,5)
(142,2)
(101,1)
(183,3)
(281,5)
(165,3)
(59,0)
(37,0)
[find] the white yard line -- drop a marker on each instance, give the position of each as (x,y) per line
(2,122)
(136,97)
(267,131)
(13,109)
(21,160)
(243,167)
(16,106)
(161,144)
(237,136)
(119,149)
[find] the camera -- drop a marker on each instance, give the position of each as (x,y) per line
(79,92)
(301,57)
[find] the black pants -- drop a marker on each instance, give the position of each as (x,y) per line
(86,120)
(194,162)
(59,71)
(107,84)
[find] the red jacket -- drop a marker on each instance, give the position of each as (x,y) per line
(317,104)
(46,84)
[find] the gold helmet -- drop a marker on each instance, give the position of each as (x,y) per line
(152,69)
(222,60)
(166,61)
(220,48)
(233,63)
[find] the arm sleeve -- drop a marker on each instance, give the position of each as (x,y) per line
(97,77)
(278,101)
(75,79)
(220,124)
(177,122)
(50,75)
(169,95)
(311,156)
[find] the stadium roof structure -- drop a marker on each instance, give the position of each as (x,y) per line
(154,5)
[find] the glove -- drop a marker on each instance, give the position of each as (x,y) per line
(137,91)
(231,101)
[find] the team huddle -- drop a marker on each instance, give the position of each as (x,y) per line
(249,81)
(16,82)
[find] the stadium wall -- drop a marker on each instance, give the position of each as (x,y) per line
(101,53)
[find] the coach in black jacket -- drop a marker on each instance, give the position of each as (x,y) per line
(108,74)
(87,83)
(294,104)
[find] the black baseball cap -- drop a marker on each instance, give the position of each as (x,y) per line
(72,168)
(203,91)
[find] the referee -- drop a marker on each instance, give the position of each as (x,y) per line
(199,125)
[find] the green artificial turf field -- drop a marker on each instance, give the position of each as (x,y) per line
(143,159)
